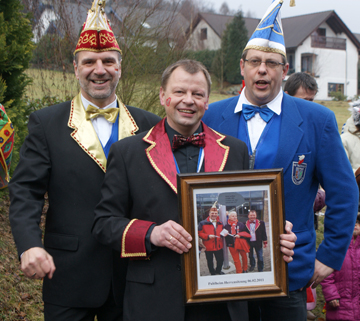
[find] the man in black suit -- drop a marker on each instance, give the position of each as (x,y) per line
(138,211)
(65,154)
(258,237)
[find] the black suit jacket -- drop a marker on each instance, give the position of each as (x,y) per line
(141,184)
(260,233)
(61,156)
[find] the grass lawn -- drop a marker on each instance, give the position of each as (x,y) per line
(20,298)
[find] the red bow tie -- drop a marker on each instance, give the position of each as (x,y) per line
(195,139)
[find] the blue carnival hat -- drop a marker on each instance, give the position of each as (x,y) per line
(268,35)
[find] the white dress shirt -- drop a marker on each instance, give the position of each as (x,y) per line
(102,126)
(256,124)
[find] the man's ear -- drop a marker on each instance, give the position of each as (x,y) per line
(207,104)
(162,96)
(285,71)
(242,67)
(76,70)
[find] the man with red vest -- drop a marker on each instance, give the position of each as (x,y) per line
(209,231)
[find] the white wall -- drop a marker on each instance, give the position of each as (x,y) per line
(46,17)
(332,65)
(213,41)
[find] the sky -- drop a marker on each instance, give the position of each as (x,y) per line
(347,10)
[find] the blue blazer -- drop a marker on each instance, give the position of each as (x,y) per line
(307,129)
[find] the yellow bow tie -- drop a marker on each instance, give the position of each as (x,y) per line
(110,114)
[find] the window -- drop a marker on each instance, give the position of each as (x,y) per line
(203,34)
(335,87)
(321,32)
(307,63)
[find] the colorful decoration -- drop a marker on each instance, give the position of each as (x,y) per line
(268,35)
(97,34)
(6,146)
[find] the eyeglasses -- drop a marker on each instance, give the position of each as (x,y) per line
(269,63)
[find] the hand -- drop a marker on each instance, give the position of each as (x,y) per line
(321,271)
(287,242)
(211,237)
(171,235)
(36,263)
(334,303)
(237,236)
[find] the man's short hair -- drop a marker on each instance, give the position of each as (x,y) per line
(190,66)
(76,57)
(300,79)
(244,54)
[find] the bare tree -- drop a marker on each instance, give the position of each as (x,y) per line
(224,9)
(150,33)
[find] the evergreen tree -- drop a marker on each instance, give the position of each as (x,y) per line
(15,54)
(227,63)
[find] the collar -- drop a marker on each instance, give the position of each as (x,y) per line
(274,105)
(161,157)
(86,103)
(171,132)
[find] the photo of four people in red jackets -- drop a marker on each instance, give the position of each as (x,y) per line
(241,239)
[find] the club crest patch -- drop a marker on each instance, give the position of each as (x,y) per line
(298,172)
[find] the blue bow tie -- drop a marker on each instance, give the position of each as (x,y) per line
(249,112)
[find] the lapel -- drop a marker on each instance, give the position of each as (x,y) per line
(257,224)
(84,133)
(230,120)
(161,157)
(290,133)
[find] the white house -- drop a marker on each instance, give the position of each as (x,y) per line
(319,44)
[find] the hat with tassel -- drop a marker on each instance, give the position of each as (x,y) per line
(268,35)
(97,34)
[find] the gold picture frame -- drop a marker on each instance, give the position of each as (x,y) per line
(236,189)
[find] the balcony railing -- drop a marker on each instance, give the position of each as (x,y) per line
(328,42)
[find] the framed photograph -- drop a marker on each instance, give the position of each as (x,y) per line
(236,219)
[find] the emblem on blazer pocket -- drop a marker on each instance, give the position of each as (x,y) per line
(298,172)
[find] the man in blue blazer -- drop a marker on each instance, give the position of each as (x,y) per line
(302,138)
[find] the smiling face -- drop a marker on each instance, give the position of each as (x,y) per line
(262,83)
(252,216)
(232,216)
(213,214)
(185,99)
(98,74)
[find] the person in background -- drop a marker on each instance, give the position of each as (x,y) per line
(258,239)
(301,85)
(302,138)
(237,241)
(6,146)
(65,155)
(351,138)
(209,231)
(341,289)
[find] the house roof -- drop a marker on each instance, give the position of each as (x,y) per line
(218,22)
(296,29)
(357,35)
(158,22)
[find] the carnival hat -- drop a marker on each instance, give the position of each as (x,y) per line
(97,34)
(268,35)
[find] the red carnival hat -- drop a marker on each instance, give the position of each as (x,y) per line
(97,34)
